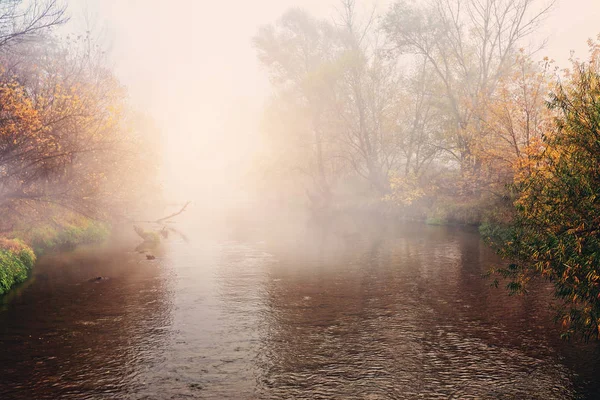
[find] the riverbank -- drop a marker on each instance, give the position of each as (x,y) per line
(19,251)
(16,261)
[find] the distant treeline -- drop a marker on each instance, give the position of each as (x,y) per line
(437,110)
(432,104)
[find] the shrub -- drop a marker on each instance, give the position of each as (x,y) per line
(555,232)
(16,261)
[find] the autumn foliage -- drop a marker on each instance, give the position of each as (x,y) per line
(424,110)
(555,231)
(73,153)
(69,142)
(435,110)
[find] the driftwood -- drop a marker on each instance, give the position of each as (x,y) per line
(153,236)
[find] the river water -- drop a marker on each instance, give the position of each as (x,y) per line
(395,313)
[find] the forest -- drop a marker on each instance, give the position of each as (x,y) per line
(443,111)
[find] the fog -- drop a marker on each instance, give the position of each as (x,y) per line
(278,199)
(191,66)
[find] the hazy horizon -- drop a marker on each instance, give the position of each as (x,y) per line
(191,66)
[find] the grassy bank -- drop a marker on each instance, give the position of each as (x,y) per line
(18,253)
(16,261)
(64,236)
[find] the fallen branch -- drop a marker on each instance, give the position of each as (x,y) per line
(158,221)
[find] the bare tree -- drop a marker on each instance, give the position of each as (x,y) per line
(20,20)
(470,44)
(367,100)
(421,123)
(299,52)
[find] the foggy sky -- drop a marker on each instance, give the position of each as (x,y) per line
(191,65)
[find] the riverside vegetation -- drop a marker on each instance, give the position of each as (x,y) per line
(74,156)
(435,110)
(439,111)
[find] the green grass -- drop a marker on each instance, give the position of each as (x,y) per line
(436,221)
(66,237)
(16,261)
(17,256)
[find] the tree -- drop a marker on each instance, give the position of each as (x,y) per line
(470,45)
(299,52)
(555,233)
(336,111)
(421,123)
(516,119)
(367,101)
(22,20)
(69,141)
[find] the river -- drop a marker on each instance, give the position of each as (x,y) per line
(395,313)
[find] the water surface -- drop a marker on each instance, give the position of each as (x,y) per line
(396,313)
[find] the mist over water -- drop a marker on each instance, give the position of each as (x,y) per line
(384,314)
(200,80)
(300,200)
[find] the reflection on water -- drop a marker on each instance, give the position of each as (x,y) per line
(67,337)
(380,314)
